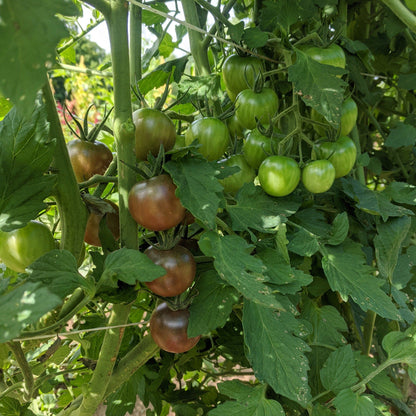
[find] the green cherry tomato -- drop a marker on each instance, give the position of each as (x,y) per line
(212,134)
(279,175)
(239,73)
(342,154)
(256,148)
(235,129)
(246,174)
(318,176)
(252,106)
(332,55)
(20,248)
(152,128)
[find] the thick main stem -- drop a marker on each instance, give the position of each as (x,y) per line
(16,349)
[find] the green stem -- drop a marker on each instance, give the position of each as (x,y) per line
(370,319)
(106,361)
(370,376)
(71,208)
(360,169)
(402,12)
(16,349)
(135,46)
(101,179)
(102,5)
(86,71)
(111,170)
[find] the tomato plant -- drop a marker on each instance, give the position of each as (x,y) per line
(318,176)
(169,329)
(239,73)
(341,153)
(212,135)
(88,158)
(252,106)
(21,247)
(257,147)
(279,175)
(154,205)
(234,182)
(180,270)
(153,129)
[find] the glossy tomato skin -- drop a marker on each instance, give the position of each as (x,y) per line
(318,176)
(251,105)
(88,158)
(234,182)
(235,129)
(332,55)
(341,153)
(256,148)
(239,73)
(212,134)
(92,228)
(279,175)
(154,205)
(152,128)
(180,269)
(169,329)
(20,248)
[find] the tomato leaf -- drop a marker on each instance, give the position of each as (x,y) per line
(349,403)
(338,372)
(248,401)
(196,177)
(401,346)
(401,192)
(130,266)
(33,31)
(212,306)
(25,155)
(235,265)
(347,273)
(279,358)
(402,135)
(319,86)
(339,229)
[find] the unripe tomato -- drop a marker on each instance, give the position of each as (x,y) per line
(279,175)
(342,154)
(246,174)
(256,148)
(20,248)
(239,73)
(154,205)
(235,129)
(92,228)
(169,329)
(88,158)
(153,128)
(252,106)
(318,176)
(332,55)
(180,269)
(212,134)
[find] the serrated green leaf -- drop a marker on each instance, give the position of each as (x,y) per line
(130,266)
(283,277)
(303,243)
(33,31)
(25,154)
(402,135)
(401,192)
(348,403)
(201,87)
(401,346)
(235,265)
(388,243)
(149,18)
(195,176)
(338,372)
(403,272)
(254,37)
(407,81)
(249,401)
(279,358)
(212,306)
(5,106)
(236,31)
(319,410)
(347,273)
(319,86)
(256,210)
(339,229)
(372,202)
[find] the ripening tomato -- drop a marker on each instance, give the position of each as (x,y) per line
(341,153)
(180,269)
(169,329)
(239,73)
(234,182)
(318,176)
(88,158)
(279,175)
(21,247)
(92,228)
(154,205)
(212,134)
(252,106)
(257,147)
(153,128)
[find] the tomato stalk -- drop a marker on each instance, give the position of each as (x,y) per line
(135,46)
(402,12)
